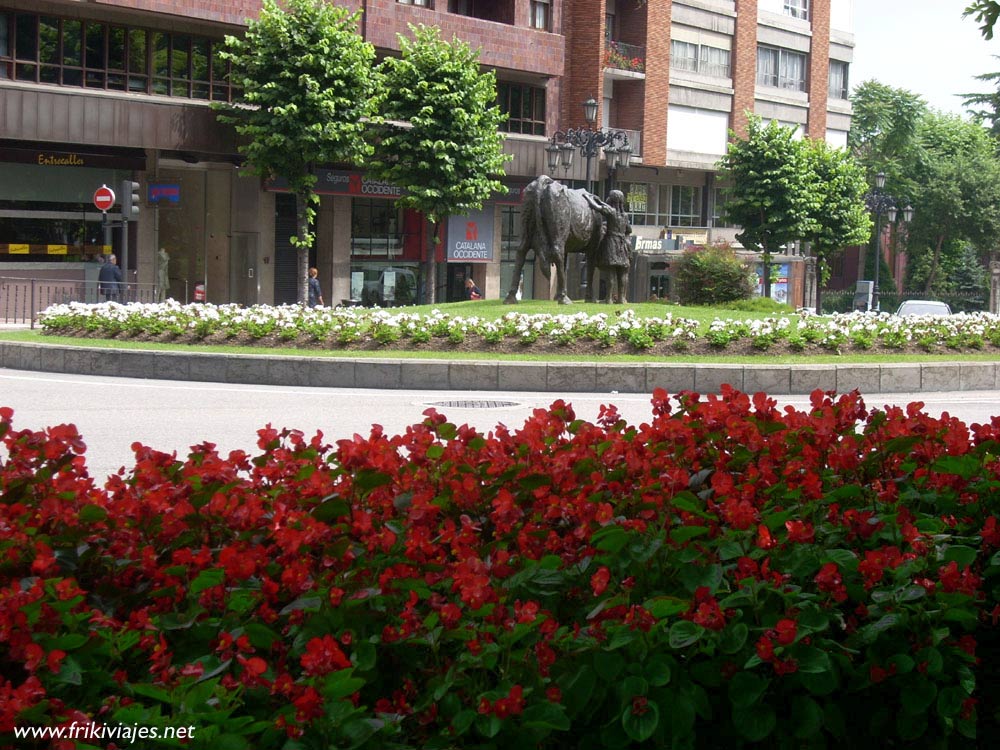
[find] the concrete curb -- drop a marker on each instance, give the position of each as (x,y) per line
(434,374)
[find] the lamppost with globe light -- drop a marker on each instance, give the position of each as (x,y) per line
(879,202)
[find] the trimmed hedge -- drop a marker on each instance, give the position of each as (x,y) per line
(725,575)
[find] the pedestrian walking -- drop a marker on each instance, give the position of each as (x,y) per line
(315,293)
(110,279)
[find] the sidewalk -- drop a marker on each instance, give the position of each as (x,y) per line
(576,377)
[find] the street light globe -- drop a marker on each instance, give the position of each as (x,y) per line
(590,110)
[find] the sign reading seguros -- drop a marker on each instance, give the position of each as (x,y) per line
(470,237)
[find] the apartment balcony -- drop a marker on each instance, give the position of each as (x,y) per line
(624,61)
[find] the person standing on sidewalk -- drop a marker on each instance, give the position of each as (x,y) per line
(110,279)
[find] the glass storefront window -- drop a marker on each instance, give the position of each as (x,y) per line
(510,241)
(376,228)
(388,284)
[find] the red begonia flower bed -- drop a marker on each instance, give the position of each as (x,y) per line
(725,575)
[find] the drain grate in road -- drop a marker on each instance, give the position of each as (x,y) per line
(473,404)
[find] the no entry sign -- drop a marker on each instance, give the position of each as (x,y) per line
(104,198)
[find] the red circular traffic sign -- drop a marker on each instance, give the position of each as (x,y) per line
(104,197)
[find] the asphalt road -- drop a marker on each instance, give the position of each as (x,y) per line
(112,413)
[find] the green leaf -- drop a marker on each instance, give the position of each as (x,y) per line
(489,725)
(546,716)
(681,534)
(917,695)
(813,660)
(331,508)
(640,724)
(92,513)
(807,717)
(663,607)
(577,689)
(608,665)
(657,670)
(746,689)
(949,701)
(683,633)
(962,555)
(734,637)
(207,579)
(367,479)
(696,576)
(756,723)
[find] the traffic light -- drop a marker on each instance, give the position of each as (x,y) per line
(130,199)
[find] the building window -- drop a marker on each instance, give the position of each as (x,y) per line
(710,61)
(90,54)
(424,3)
(524,106)
(838,79)
(541,14)
(781,68)
(685,206)
(376,228)
(647,203)
(510,242)
(797,9)
(719,198)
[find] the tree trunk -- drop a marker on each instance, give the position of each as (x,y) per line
(302,248)
(935,260)
(766,273)
(430,267)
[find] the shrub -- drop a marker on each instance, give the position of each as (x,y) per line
(725,575)
(712,275)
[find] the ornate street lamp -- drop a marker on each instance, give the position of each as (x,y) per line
(879,202)
(589,141)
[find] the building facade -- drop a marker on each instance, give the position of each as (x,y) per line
(111,92)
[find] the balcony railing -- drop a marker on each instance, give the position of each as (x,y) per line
(622,56)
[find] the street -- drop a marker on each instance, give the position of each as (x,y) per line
(112,413)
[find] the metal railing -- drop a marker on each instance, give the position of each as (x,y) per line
(21,300)
(622,56)
(842,300)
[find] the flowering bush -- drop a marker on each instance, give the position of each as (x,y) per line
(725,575)
(353,326)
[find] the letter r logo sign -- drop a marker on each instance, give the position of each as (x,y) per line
(471,231)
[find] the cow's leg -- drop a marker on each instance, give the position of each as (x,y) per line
(522,253)
(591,272)
(561,297)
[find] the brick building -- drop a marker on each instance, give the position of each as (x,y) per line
(114,90)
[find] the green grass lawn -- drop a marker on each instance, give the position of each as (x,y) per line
(493,309)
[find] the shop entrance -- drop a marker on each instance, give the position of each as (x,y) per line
(455,288)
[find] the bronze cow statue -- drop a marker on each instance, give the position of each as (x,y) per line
(557,220)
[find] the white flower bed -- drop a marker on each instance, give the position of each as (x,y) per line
(348,325)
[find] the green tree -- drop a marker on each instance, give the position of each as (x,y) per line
(712,275)
(443,145)
(956,194)
(771,195)
(883,126)
(840,216)
(985,108)
(307,93)
(986,13)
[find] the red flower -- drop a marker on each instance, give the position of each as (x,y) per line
(599,581)
(323,655)
(800,532)
(786,631)
(829,580)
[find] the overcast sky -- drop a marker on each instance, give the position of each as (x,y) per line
(924,46)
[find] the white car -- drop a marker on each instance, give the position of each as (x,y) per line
(923,307)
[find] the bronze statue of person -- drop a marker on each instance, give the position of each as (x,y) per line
(614,253)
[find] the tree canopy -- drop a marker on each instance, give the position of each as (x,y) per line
(769,194)
(307,93)
(839,216)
